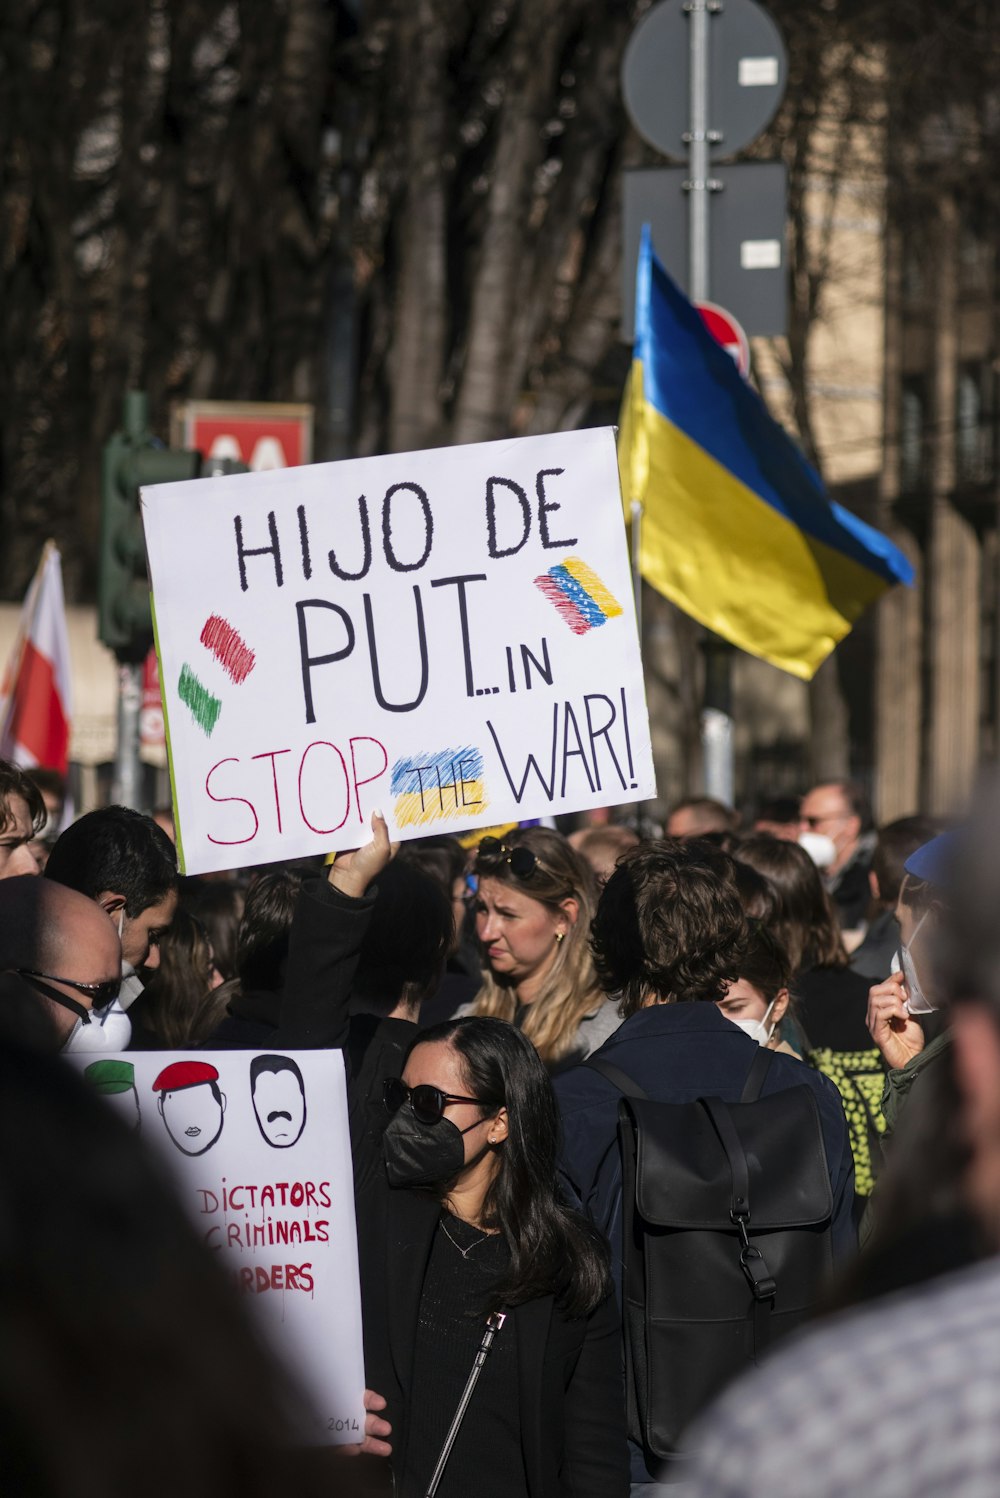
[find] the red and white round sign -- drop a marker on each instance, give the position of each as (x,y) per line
(726,331)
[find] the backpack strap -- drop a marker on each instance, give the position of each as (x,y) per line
(757,1075)
(617,1078)
(762,1284)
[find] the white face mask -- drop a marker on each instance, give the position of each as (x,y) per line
(917,1001)
(757,1029)
(131,984)
(821,849)
(109,1029)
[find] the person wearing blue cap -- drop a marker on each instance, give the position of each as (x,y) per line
(903,1008)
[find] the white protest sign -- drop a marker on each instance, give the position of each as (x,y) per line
(259,1148)
(447,636)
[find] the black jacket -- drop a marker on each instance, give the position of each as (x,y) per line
(572,1403)
(677,1053)
(831,1006)
(571,1400)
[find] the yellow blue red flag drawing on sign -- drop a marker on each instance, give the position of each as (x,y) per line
(737,528)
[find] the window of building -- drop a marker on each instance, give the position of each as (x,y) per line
(912,435)
(972,425)
(975,254)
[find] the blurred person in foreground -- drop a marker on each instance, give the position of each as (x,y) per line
(22,820)
(900,1398)
(137,1369)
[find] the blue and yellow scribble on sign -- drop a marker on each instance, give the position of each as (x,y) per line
(431,787)
(578,595)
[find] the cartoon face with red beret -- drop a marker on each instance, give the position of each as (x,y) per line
(191,1105)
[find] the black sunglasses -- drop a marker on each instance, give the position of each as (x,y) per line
(426,1103)
(520,860)
(100,994)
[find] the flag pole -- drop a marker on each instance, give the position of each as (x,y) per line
(636,572)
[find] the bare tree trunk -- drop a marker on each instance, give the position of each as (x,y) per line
(481,411)
(419,348)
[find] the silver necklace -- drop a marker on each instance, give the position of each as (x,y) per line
(465,1252)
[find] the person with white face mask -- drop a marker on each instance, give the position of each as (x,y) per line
(830,1001)
(65,949)
(835,832)
(758,1000)
(902,1008)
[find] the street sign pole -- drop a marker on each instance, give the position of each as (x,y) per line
(125,782)
(698,159)
(717,755)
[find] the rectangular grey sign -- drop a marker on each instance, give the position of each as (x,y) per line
(748,274)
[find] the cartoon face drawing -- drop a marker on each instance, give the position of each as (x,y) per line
(279,1099)
(115,1081)
(191,1105)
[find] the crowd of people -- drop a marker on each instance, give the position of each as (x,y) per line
(624,1111)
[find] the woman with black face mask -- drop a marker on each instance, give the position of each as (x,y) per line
(459,1219)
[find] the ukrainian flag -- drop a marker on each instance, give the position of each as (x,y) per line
(737,529)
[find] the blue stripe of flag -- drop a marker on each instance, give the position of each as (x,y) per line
(577,593)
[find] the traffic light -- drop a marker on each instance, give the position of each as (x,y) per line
(132,459)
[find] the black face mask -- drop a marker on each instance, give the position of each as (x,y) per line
(418,1154)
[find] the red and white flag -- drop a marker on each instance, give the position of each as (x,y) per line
(36,703)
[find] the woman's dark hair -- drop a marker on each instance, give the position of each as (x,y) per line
(670,924)
(766,965)
(218,905)
(262,950)
(894,845)
(442,857)
(178,1006)
(15,782)
(761,901)
(404,949)
(164,1374)
(554,1250)
(807,924)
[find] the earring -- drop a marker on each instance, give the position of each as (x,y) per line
(560,935)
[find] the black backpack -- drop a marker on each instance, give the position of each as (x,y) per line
(726,1217)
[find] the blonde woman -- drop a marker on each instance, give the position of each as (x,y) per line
(535,900)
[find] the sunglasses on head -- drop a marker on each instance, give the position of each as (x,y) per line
(427,1103)
(520,860)
(100,994)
